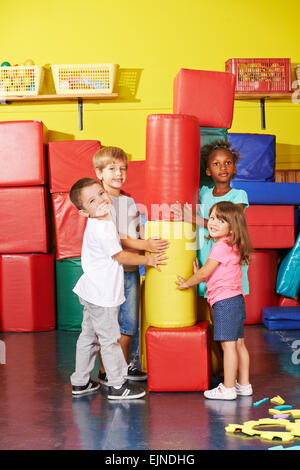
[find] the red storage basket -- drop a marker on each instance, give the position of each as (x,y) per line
(261,75)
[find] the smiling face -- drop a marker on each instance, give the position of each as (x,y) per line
(113,176)
(218,228)
(95,201)
(221,167)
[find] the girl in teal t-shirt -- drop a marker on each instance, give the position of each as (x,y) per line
(220,163)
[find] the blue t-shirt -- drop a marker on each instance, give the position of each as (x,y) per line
(206,201)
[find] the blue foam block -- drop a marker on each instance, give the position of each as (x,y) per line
(257,156)
(281,318)
(288,277)
(281,194)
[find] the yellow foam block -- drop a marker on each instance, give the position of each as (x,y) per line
(143,328)
(165,305)
(277,400)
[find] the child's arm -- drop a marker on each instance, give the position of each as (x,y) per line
(154,245)
(187,214)
(199,275)
(133,259)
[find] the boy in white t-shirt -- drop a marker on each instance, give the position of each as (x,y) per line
(101,292)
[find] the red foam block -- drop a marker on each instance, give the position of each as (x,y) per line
(69,227)
(271,226)
(22,153)
(287,302)
(172,169)
(208,95)
(24,220)
(262,275)
(27,292)
(170,350)
(69,161)
(134,185)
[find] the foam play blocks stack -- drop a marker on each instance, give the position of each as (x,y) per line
(172,174)
(27,265)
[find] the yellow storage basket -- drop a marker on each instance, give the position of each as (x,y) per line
(84,79)
(21,80)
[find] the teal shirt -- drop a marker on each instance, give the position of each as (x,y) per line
(206,200)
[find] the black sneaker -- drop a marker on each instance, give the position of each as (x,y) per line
(125,393)
(135,374)
(102,378)
(91,386)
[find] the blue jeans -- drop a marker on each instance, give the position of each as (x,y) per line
(129,310)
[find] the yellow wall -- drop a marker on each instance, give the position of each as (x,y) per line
(150,41)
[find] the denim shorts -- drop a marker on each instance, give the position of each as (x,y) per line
(129,310)
(229,318)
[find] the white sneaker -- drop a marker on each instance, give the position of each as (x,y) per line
(221,393)
(244,390)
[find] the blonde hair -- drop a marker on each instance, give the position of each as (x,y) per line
(239,236)
(107,155)
(75,191)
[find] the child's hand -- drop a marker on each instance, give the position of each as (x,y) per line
(182,283)
(183,212)
(157,245)
(196,265)
(155,259)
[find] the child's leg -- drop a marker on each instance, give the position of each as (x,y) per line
(105,322)
(243,362)
(86,350)
(230,362)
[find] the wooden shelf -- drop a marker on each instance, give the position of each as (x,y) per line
(262,97)
(79,99)
(98,96)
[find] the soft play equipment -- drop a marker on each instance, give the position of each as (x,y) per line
(68,161)
(287,302)
(69,227)
(22,153)
(205,94)
(257,156)
(166,306)
(262,274)
(24,220)
(27,295)
(207,136)
(264,192)
(69,310)
(143,326)
(172,163)
(178,359)
(288,279)
(271,227)
(281,318)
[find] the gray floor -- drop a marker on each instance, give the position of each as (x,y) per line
(37,410)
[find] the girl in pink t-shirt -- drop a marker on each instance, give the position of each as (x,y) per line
(223,275)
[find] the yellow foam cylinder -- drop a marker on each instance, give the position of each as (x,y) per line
(143,328)
(165,305)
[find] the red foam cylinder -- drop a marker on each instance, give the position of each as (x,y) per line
(208,95)
(271,226)
(24,220)
(27,293)
(172,163)
(69,227)
(262,275)
(170,350)
(22,153)
(69,161)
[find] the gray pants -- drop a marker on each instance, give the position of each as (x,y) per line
(99,329)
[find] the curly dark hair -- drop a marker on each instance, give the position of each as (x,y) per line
(208,150)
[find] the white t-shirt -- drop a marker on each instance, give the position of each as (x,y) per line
(102,281)
(126,216)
